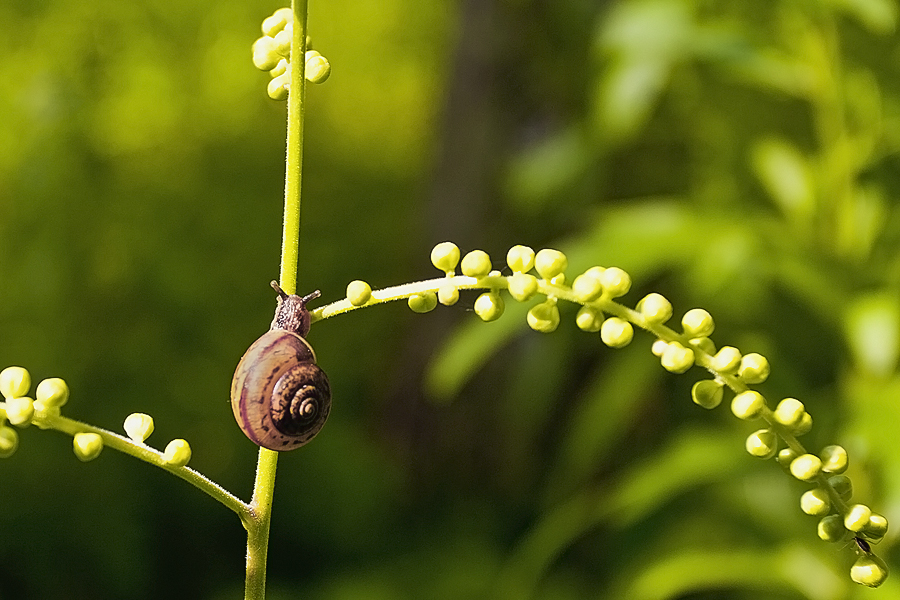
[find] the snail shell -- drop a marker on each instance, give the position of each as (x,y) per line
(279,396)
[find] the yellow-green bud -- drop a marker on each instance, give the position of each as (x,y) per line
(476,263)
(589,319)
(815,502)
(489,306)
(704,344)
(806,467)
(52,392)
(804,426)
(520,259)
(615,281)
(448,295)
(19,411)
(265,56)
(279,69)
(754,368)
(727,360)
(697,323)
(707,393)
(857,517)
(522,286)
(177,453)
(276,22)
(278,87)
(876,527)
(317,67)
(138,426)
(842,485)
(785,457)
(834,459)
(445,256)
(422,303)
(762,443)
(655,308)
(616,332)
(831,528)
(869,570)
(677,358)
(358,292)
(658,348)
(282,41)
(14,382)
(9,441)
(587,288)
(543,317)
(747,405)
(87,446)
(789,412)
(550,263)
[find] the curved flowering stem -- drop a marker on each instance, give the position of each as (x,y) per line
(596,291)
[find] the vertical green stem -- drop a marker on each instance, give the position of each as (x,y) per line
(264,487)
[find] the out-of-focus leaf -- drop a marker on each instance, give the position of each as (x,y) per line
(787,176)
(880,16)
(872,329)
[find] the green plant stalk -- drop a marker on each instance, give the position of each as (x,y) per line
(260,515)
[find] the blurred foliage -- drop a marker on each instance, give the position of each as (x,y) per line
(738,156)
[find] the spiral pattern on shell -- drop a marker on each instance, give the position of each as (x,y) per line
(279,396)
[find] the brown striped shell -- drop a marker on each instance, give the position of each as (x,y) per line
(279,396)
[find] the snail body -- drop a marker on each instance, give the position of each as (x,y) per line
(279,396)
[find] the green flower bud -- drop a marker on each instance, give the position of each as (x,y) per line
(543,317)
(358,292)
(697,323)
(550,263)
(842,485)
(282,41)
(615,281)
(275,23)
(87,446)
(659,347)
(265,56)
(520,259)
(317,67)
(747,405)
(806,467)
(815,502)
(279,69)
(445,256)
(476,263)
(754,368)
(707,393)
(857,517)
(704,344)
(177,453)
(278,88)
(789,412)
(655,308)
(448,295)
(785,457)
(522,286)
(14,382)
(589,319)
(831,528)
(834,459)
(804,426)
(587,288)
(9,441)
(559,280)
(489,306)
(52,392)
(616,332)
(727,360)
(19,411)
(762,443)
(869,570)
(677,358)
(876,527)
(138,426)
(423,303)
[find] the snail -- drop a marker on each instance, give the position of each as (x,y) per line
(279,396)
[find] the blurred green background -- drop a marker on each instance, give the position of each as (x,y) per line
(739,156)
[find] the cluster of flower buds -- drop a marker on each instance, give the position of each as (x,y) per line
(595,290)
(272,53)
(44,411)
